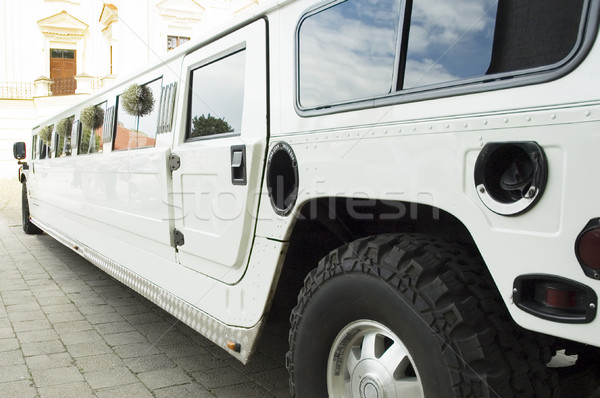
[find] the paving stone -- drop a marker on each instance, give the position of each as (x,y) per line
(65,317)
(191,390)
(246,390)
(13,309)
(9,344)
(148,317)
(174,337)
(221,377)
(138,308)
(58,360)
(96,309)
(57,300)
(135,350)
(6,333)
(37,335)
(137,390)
(114,327)
(87,349)
(69,390)
(164,378)
(180,350)
(116,302)
(14,357)
(56,376)
(124,338)
(149,363)
(42,347)
(20,300)
(70,327)
(27,316)
(13,373)
(28,326)
(85,336)
(199,362)
(59,308)
(110,378)
(272,380)
(95,319)
(92,299)
(99,362)
(20,389)
(154,330)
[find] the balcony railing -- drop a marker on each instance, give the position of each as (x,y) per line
(26,90)
(16,90)
(63,86)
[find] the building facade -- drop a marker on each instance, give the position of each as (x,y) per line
(53,52)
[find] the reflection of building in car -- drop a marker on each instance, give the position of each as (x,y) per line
(127,139)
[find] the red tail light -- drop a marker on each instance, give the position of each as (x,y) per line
(587,248)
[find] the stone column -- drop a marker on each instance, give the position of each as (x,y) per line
(107,80)
(41,86)
(84,83)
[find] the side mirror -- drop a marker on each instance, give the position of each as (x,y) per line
(19,151)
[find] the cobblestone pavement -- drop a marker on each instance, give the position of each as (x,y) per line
(67,329)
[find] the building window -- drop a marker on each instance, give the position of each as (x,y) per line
(63,68)
(175,41)
(217,97)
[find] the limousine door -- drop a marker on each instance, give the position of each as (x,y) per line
(219,155)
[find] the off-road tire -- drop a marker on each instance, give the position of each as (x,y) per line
(438,298)
(28,227)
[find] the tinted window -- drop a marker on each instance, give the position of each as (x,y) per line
(135,131)
(348,52)
(217,97)
(34,148)
(449,40)
(360,49)
(92,122)
(45,138)
(63,137)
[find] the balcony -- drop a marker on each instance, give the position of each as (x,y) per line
(55,87)
(16,90)
(63,86)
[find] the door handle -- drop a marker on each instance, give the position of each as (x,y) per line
(238,164)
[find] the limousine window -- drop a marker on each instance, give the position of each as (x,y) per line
(348,52)
(356,50)
(452,43)
(92,121)
(45,137)
(34,148)
(217,97)
(135,131)
(63,137)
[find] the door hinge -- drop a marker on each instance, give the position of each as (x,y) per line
(178,238)
(174,161)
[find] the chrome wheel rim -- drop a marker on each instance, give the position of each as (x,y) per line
(368,360)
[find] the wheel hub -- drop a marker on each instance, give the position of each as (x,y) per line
(367,360)
(369,380)
(370,388)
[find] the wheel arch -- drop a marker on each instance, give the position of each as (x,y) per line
(326,223)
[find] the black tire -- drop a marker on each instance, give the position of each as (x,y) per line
(438,299)
(28,227)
